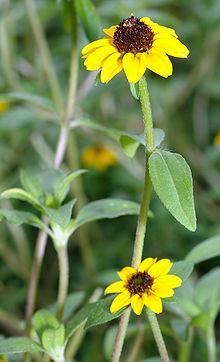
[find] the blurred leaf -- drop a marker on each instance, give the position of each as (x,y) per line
(129,145)
(172,180)
(19,117)
(202,321)
(105,209)
(207,291)
(62,215)
(89,18)
(72,302)
(22,195)
(62,186)
(36,100)
(183,269)
(92,314)
(18,345)
(43,320)
(185,299)
(205,250)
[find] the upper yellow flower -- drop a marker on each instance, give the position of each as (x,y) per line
(144,286)
(98,157)
(136,44)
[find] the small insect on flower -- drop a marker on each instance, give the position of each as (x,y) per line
(98,157)
(136,44)
(144,286)
(3,106)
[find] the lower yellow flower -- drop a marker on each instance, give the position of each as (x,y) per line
(217,139)
(98,157)
(144,286)
(3,106)
(136,44)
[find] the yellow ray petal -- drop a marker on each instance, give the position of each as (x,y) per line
(153,302)
(171,46)
(137,304)
(146,264)
(126,273)
(116,287)
(158,62)
(110,31)
(95,59)
(170,281)
(134,66)
(111,66)
(158,29)
(95,44)
(162,267)
(122,300)
(162,292)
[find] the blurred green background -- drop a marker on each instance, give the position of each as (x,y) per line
(186,106)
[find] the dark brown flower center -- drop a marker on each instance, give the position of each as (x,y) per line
(133,36)
(139,283)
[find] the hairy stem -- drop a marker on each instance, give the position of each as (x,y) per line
(158,336)
(63,279)
(143,216)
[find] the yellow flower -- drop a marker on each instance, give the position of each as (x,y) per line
(217,139)
(136,44)
(3,106)
(98,157)
(144,286)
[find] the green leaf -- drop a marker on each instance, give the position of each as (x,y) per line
(89,18)
(31,184)
(172,180)
(18,345)
(130,142)
(205,250)
(183,269)
(43,320)
(105,209)
(134,88)
(19,117)
(37,101)
(62,186)
(62,215)
(22,195)
(91,315)
(53,338)
(207,292)
(185,299)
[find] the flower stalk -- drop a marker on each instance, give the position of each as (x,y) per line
(142,221)
(63,279)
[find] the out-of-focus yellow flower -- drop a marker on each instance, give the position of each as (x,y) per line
(4,106)
(216,140)
(144,286)
(136,44)
(98,157)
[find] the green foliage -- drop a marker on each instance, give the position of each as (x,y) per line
(205,250)
(172,180)
(18,345)
(89,18)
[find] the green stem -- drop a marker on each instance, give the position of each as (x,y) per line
(63,279)
(185,347)
(143,216)
(158,336)
(44,53)
(211,345)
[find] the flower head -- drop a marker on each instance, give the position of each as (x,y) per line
(3,106)
(136,44)
(98,157)
(144,286)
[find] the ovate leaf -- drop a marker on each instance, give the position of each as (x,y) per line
(183,269)
(205,250)
(172,180)
(43,320)
(105,209)
(62,186)
(18,345)
(20,194)
(89,18)
(53,338)
(62,215)
(31,183)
